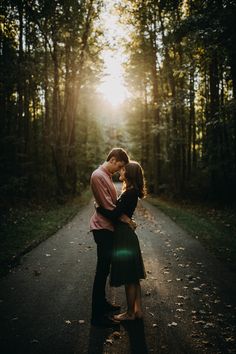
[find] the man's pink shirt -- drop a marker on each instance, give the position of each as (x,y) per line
(105,195)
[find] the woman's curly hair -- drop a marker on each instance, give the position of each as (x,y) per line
(135,178)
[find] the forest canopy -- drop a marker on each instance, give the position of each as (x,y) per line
(178,118)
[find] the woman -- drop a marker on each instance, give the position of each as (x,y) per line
(127,265)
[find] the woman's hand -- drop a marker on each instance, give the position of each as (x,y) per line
(95,204)
(133,224)
(124,218)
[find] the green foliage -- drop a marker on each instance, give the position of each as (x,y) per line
(181,67)
(49,50)
(32,224)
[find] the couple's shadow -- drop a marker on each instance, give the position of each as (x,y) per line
(134,329)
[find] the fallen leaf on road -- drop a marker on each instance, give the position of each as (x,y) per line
(172,324)
(216,301)
(109,341)
(209,325)
(197,289)
(202,285)
(180,249)
(199,322)
(182,297)
(116,335)
(189,276)
(195,335)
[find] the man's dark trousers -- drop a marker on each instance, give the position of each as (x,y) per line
(104,241)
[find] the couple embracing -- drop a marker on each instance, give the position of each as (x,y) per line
(118,250)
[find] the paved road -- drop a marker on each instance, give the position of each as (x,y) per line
(188,296)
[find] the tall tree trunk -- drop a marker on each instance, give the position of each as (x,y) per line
(156,139)
(20,87)
(191,125)
(213,137)
(174,158)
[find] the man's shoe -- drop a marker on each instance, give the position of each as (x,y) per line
(108,307)
(104,322)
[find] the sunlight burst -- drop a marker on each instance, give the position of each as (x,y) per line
(112,86)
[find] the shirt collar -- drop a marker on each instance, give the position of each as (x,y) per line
(106,171)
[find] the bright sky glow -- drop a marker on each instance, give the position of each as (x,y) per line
(112,87)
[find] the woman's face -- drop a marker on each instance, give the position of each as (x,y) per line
(122,174)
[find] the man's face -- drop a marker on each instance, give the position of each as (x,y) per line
(116,165)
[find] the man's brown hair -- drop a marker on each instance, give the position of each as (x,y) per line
(119,154)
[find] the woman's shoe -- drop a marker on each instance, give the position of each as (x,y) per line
(124,317)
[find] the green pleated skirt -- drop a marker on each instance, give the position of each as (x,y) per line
(127,263)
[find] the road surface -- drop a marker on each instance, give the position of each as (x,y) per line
(188,296)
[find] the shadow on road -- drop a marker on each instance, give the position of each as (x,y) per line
(97,337)
(135,330)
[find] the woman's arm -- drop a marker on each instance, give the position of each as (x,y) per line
(114,214)
(120,209)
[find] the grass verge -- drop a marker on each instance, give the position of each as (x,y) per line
(215,228)
(24,228)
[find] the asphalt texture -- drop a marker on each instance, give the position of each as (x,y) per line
(189,297)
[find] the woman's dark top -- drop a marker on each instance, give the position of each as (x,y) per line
(126,204)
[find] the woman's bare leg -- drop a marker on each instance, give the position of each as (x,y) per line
(138,303)
(131,291)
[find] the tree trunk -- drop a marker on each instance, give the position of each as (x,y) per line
(191,125)
(213,136)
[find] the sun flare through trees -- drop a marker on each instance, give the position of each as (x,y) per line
(155,77)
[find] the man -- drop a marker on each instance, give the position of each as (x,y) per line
(105,195)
